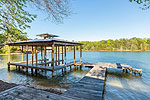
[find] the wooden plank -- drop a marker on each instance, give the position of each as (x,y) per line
(90,87)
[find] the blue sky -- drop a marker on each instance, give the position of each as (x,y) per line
(94,20)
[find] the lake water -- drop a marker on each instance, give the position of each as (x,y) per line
(119,85)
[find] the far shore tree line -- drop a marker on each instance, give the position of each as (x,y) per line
(133,44)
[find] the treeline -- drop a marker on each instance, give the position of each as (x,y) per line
(133,44)
(5,37)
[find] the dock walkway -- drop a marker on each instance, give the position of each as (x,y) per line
(90,87)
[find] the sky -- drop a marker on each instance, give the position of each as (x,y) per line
(95,20)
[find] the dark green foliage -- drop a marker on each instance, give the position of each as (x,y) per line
(145,3)
(133,44)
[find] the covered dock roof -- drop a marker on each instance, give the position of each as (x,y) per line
(45,42)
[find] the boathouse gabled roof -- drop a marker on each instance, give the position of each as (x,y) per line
(45,42)
(46,35)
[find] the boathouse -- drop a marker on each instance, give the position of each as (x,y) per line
(57,49)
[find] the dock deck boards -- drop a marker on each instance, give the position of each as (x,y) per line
(90,87)
(27,93)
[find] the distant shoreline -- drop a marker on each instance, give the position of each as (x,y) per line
(121,50)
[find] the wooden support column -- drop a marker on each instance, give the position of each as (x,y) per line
(65,59)
(58,57)
(8,57)
(36,55)
(36,59)
(27,58)
(32,60)
(41,54)
(80,53)
(53,46)
(74,58)
(62,55)
(22,54)
(45,55)
(81,57)
(32,56)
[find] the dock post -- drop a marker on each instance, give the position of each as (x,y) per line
(36,59)
(8,57)
(65,60)
(32,61)
(22,54)
(58,57)
(130,71)
(74,58)
(41,54)
(62,55)
(81,57)
(45,55)
(53,65)
(27,58)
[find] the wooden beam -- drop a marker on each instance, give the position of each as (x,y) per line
(74,55)
(8,54)
(53,46)
(65,60)
(80,53)
(41,54)
(8,57)
(22,54)
(58,57)
(53,55)
(27,57)
(36,55)
(32,56)
(62,55)
(45,55)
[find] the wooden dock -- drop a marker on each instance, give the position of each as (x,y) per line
(41,66)
(90,87)
(125,67)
